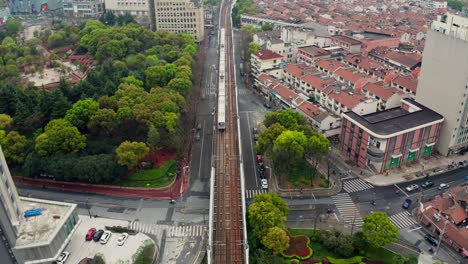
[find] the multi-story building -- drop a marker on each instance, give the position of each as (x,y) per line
(391,138)
(83,8)
(265,60)
(443,81)
(137,8)
(180,16)
(35,239)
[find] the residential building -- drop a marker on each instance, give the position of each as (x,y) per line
(350,44)
(180,16)
(404,63)
(443,81)
(136,8)
(391,138)
(446,216)
(309,54)
(371,40)
(32,239)
(265,60)
(83,8)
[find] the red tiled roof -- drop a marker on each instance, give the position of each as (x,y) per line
(407,82)
(298,70)
(317,82)
(285,93)
(330,64)
(309,109)
(349,75)
(379,90)
(350,101)
(267,55)
(407,59)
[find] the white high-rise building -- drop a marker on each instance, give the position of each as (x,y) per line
(443,83)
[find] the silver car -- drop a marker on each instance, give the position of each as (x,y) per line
(412,187)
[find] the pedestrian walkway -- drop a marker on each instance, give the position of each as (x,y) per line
(402,220)
(171,231)
(243,91)
(347,209)
(249,194)
(356,185)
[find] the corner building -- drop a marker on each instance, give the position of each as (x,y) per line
(391,138)
(180,16)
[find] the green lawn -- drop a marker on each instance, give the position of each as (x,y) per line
(152,178)
(302,173)
(321,252)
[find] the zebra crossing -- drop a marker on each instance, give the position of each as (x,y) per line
(356,185)
(347,209)
(249,194)
(243,91)
(402,220)
(171,231)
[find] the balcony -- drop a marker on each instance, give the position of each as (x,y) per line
(375,154)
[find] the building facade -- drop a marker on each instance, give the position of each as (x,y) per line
(137,8)
(392,138)
(83,8)
(180,16)
(444,74)
(265,60)
(36,239)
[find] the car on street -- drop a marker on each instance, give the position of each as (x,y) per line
(90,234)
(431,239)
(259,159)
(122,238)
(412,187)
(255,137)
(443,186)
(255,130)
(267,105)
(427,184)
(97,235)
(262,174)
(261,167)
(197,136)
(407,203)
(264,184)
(466,178)
(105,237)
(62,257)
(199,126)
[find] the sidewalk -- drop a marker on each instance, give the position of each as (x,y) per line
(434,165)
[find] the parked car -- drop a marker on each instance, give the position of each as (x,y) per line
(443,186)
(255,137)
(259,159)
(261,167)
(255,130)
(62,257)
(199,126)
(97,235)
(90,234)
(466,178)
(123,237)
(264,184)
(412,187)
(197,136)
(262,174)
(431,239)
(407,203)
(105,237)
(427,184)
(267,105)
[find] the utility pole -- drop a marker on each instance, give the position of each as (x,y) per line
(352,225)
(87,207)
(440,238)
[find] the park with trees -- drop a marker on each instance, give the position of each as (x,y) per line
(271,242)
(130,107)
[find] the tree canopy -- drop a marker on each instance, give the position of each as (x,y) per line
(60,135)
(129,153)
(267,211)
(379,230)
(276,240)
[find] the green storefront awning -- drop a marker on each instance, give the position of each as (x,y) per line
(427,150)
(395,161)
(411,156)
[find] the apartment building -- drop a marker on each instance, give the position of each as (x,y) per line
(392,138)
(443,81)
(265,60)
(136,8)
(32,231)
(83,8)
(180,16)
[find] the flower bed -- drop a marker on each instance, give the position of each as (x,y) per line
(298,248)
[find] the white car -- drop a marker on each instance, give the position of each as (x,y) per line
(123,237)
(264,183)
(443,186)
(62,257)
(105,237)
(412,187)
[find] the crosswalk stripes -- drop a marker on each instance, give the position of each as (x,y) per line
(356,185)
(243,91)
(347,209)
(402,220)
(249,194)
(171,231)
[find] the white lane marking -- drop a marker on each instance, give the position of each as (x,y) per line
(401,190)
(414,229)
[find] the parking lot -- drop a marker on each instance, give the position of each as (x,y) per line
(79,248)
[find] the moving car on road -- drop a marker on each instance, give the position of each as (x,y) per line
(427,184)
(264,184)
(407,204)
(443,186)
(412,187)
(90,234)
(62,257)
(431,239)
(123,237)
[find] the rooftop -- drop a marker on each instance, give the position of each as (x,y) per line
(315,51)
(396,119)
(346,39)
(267,55)
(37,230)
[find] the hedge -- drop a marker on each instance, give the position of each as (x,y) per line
(298,248)
(353,260)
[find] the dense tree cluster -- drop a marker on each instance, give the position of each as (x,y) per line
(135,94)
(242,7)
(289,140)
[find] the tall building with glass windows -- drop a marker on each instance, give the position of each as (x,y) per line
(32,231)
(180,16)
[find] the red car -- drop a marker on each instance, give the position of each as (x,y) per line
(90,234)
(259,159)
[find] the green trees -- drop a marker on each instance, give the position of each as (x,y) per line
(289,149)
(456,5)
(254,48)
(14,146)
(60,135)
(242,7)
(5,121)
(13,26)
(268,137)
(81,111)
(103,121)
(129,153)
(289,119)
(276,240)
(379,230)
